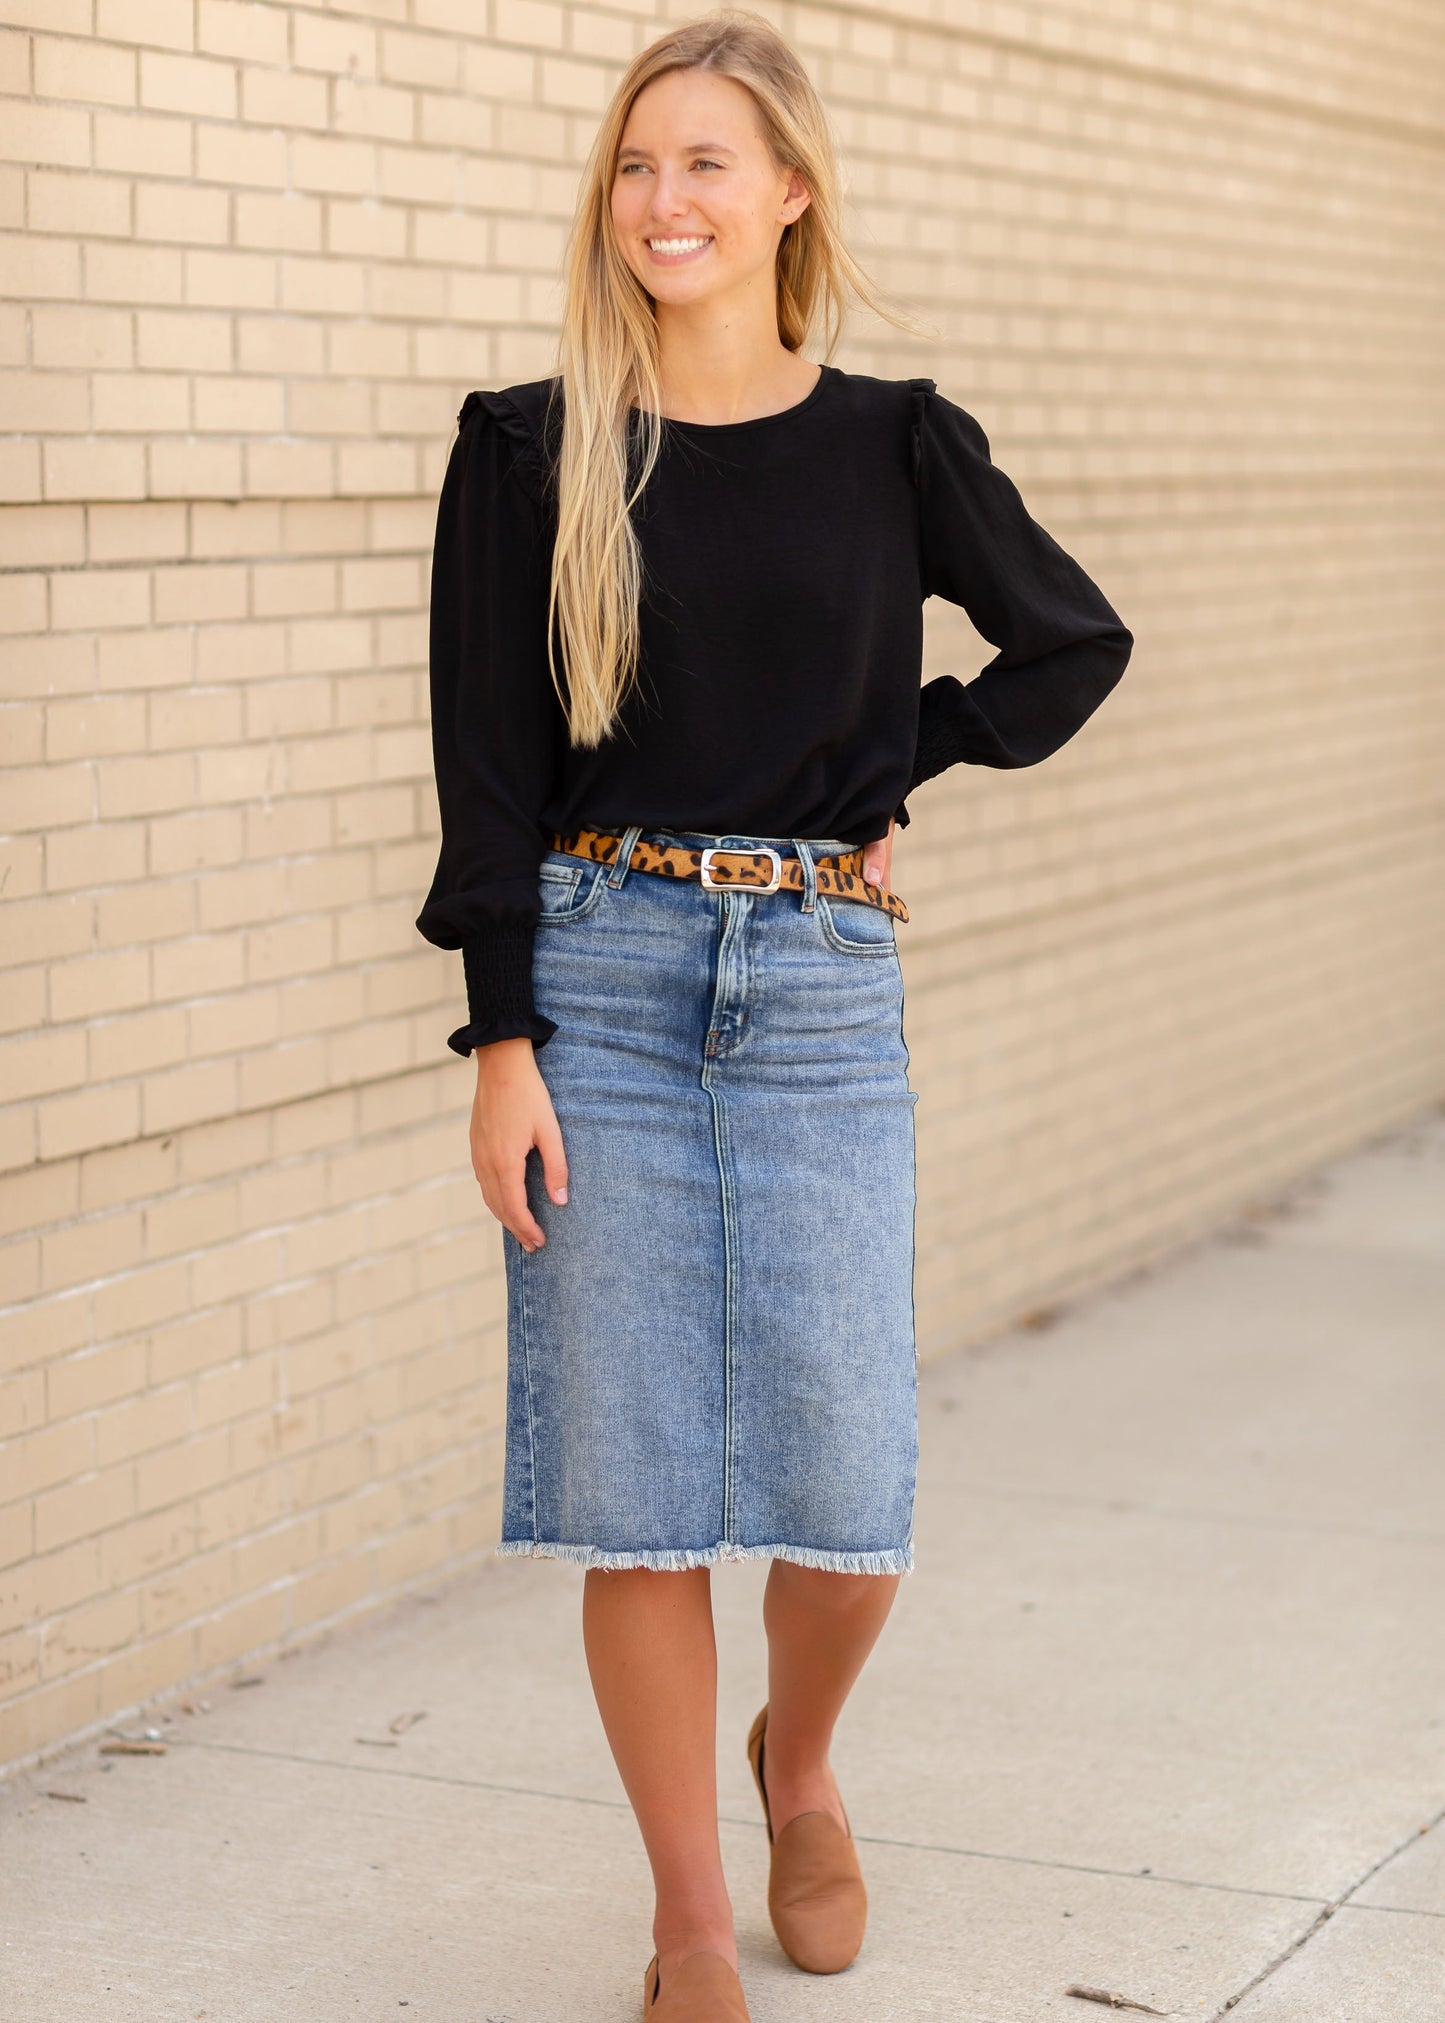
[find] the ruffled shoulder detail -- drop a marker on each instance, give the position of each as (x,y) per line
(918,392)
(520,416)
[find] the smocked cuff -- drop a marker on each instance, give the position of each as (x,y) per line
(498,971)
(943,730)
(537,1028)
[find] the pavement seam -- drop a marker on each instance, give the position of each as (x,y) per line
(1185,1513)
(1395,1910)
(750,1824)
(1328,1912)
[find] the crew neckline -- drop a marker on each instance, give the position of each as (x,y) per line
(716,428)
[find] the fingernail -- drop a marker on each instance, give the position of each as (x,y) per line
(560,1195)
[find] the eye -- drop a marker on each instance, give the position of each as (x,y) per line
(701,162)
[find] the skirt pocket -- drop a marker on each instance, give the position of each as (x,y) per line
(568,888)
(855,928)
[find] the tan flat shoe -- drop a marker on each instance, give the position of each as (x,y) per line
(704,1989)
(816,1897)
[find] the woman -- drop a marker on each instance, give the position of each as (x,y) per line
(676,648)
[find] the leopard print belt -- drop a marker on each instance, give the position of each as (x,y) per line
(764,870)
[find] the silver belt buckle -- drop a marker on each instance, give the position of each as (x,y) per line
(736,885)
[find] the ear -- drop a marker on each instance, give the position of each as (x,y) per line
(798,196)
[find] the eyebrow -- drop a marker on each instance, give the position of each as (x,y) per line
(694,147)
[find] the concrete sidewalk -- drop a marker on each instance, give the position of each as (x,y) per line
(1161,1713)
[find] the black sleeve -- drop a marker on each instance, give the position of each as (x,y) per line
(1062,646)
(494,717)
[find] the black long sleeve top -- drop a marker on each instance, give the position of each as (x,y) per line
(786,561)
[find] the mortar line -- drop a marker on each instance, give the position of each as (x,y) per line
(1139,69)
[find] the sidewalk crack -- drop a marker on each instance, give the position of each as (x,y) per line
(1327,1913)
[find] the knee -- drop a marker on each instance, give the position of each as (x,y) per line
(819,1588)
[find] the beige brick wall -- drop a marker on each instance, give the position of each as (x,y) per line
(1187,270)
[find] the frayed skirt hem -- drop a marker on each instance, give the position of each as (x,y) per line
(896,1559)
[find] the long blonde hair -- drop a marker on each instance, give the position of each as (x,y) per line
(607,351)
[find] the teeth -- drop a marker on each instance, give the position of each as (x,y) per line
(675,245)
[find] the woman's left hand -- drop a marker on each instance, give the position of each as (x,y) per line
(878,859)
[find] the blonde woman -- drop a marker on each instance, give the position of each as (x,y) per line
(676,649)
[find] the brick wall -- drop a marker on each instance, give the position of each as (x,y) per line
(1187,272)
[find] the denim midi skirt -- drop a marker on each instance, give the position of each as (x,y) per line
(712,1357)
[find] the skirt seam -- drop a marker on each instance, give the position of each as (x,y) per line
(527,1387)
(729,1234)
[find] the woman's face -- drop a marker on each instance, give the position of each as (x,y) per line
(698,205)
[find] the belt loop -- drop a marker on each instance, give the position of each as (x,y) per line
(624,856)
(810,872)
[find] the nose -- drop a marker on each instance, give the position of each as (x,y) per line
(668,201)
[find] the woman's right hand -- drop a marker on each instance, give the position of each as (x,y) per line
(511,1113)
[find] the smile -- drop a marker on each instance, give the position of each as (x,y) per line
(674,250)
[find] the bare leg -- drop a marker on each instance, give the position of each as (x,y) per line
(821,1627)
(652,1656)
